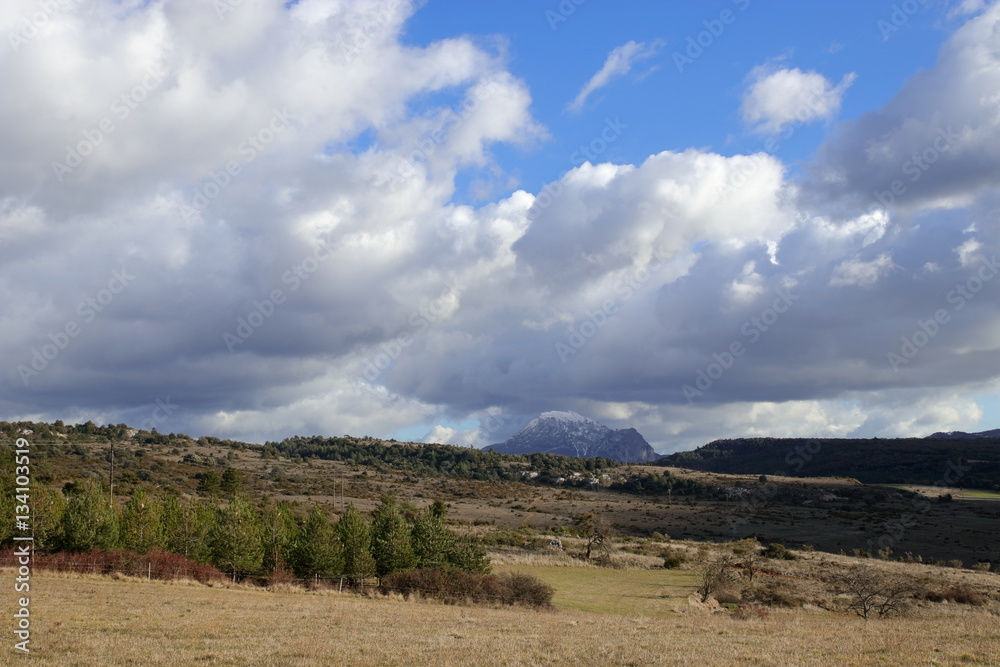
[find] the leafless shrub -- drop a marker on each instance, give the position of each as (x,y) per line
(717,575)
(875,593)
(958,593)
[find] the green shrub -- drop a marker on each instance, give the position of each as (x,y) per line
(672,562)
(672,559)
(777,551)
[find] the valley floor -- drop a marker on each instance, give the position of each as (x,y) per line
(87,620)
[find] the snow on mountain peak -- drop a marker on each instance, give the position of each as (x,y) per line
(564,416)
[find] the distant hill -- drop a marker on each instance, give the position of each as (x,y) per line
(572,434)
(972,462)
(960,435)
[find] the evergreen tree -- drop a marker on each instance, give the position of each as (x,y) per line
(48,508)
(391,542)
(355,538)
(7,500)
(317,550)
(89,522)
(432,542)
(231,482)
(209,483)
(280,534)
(235,538)
(140,523)
(185,528)
(470,556)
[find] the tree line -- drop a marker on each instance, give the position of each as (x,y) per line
(466,462)
(247,539)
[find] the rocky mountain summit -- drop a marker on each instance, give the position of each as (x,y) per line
(572,434)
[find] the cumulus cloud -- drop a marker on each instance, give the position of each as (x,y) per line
(860,273)
(934,145)
(779,97)
(268,242)
(619,63)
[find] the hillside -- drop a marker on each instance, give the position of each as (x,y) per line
(953,462)
(492,494)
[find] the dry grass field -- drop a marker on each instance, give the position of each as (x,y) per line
(87,620)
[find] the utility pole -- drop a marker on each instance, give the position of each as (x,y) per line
(112,474)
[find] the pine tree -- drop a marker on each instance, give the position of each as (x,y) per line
(231,482)
(140,523)
(317,551)
(209,483)
(280,534)
(235,538)
(185,528)
(432,542)
(391,542)
(89,522)
(355,538)
(48,508)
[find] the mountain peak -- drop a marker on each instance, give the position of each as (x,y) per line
(564,416)
(572,434)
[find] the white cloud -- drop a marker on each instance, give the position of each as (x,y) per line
(776,98)
(968,252)
(401,308)
(618,63)
(858,273)
(938,136)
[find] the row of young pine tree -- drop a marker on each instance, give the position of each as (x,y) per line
(244,538)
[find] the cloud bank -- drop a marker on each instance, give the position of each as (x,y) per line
(265,239)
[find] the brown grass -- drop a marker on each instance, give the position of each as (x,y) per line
(86,620)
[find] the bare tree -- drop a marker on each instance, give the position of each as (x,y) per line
(716,575)
(873,592)
(750,555)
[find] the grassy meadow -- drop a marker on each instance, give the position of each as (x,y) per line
(626,617)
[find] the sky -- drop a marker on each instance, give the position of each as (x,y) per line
(434,220)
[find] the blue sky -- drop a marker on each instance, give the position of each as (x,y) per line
(667,108)
(379,217)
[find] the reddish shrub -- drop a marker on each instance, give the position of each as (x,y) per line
(455,586)
(155,564)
